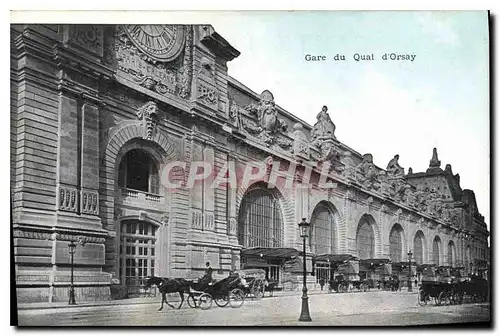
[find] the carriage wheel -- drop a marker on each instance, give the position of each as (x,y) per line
(258,293)
(205,301)
(191,300)
(443,298)
(422,298)
(236,298)
(222,301)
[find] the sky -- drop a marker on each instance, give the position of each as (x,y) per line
(441,99)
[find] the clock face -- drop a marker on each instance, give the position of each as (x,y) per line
(160,42)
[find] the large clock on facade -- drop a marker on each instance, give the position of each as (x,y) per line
(160,42)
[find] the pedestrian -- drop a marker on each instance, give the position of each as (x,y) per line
(322,283)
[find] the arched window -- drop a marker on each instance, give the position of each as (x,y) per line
(137,252)
(323,226)
(418,248)
(259,221)
(436,249)
(365,240)
(138,171)
(451,254)
(396,243)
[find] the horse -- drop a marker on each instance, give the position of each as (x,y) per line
(166,285)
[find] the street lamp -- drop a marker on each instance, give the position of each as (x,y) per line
(470,268)
(409,271)
(72,250)
(304,313)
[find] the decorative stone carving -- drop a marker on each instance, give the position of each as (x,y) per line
(324,127)
(300,144)
(197,219)
(328,151)
(385,186)
(206,85)
(155,68)
(394,169)
(67,198)
(148,113)
(232,226)
(207,94)
(118,213)
(165,218)
(367,173)
(446,212)
(90,202)
(234,114)
(267,115)
(89,37)
(348,168)
(209,221)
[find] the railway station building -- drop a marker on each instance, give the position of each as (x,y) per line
(121,133)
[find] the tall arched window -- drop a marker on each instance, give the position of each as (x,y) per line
(396,243)
(323,226)
(137,252)
(138,171)
(365,240)
(451,254)
(436,250)
(418,248)
(259,220)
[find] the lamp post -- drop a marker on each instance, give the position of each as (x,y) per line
(304,313)
(409,271)
(72,249)
(470,268)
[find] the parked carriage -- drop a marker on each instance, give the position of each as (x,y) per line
(256,280)
(452,292)
(230,290)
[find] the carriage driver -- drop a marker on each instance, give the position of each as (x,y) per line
(207,277)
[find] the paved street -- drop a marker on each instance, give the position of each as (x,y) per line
(366,308)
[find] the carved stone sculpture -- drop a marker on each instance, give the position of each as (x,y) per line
(324,127)
(367,173)
(300,145)
(148,113)
(267,116)
(348,170)
(394,169)
(384,183)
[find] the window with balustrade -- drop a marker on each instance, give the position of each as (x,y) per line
(138,171)
(323,229)
(137,252)
(260,221)
(365,240)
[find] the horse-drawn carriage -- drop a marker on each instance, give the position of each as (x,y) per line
(453,292)
(256,280)
(201,294)
(230,290)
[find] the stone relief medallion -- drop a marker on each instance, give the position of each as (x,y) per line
(162,43)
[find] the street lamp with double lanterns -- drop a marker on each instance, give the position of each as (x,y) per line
(304,233)
(409,271)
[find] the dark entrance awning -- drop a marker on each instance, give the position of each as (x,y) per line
(270,252)
(334,258)
(373,262)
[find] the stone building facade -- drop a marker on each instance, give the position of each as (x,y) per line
(108,123)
